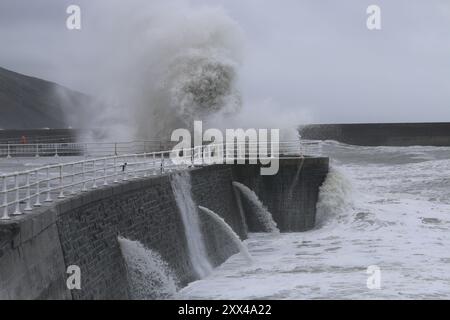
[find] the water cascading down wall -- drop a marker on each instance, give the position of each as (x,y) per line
(37,249)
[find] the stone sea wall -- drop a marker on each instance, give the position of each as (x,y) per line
(36,249)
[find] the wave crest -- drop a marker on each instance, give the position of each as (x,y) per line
(335,198)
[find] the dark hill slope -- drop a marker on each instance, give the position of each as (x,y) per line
(32,103)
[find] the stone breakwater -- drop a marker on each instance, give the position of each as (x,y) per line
(381,134)
(36,249)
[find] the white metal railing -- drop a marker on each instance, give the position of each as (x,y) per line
(20,192)
(102,149)
(91,149)
(53,138)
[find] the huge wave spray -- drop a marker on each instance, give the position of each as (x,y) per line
(163,65)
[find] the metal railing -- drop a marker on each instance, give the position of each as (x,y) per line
(53,138)
(22,191)
(88,149)
(105,149)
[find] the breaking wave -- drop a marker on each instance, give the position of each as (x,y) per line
(335,198)
(168,64)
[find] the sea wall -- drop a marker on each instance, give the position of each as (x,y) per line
(31,260)
(381,134)
(36,249)
(290,195)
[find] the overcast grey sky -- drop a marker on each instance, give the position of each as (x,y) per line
(311,60)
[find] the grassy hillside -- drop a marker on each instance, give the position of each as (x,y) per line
(32,103)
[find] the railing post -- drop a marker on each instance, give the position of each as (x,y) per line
(94,185)
(83,176)
(37,203)
(37,151)
(145,164)
(115,171)
(49,196)
(154,163)
(206,154)
(202,154)
(61,183)
(56,150)
(72,188)
(136,167)
(28,204)
(17,201)
(5,215)
(162,162)
(105,182)
(8,155)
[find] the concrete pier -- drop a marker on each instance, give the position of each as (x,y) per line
(381,134)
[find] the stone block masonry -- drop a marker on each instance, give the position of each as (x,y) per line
(31,260)
(37,248)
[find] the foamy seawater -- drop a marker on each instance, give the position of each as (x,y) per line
(383,206)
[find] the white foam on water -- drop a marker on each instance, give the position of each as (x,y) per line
(381,206)
(149,276)
(181,186)
(263,214)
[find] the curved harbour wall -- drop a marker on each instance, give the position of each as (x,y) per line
(36,249)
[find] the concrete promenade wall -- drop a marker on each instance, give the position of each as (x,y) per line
(381,134)
(36,249)
(31,260)
(291,195)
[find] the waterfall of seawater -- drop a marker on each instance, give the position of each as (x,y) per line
(181,186)
(149,276)
(295,180)
(226,227)
(263,215)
